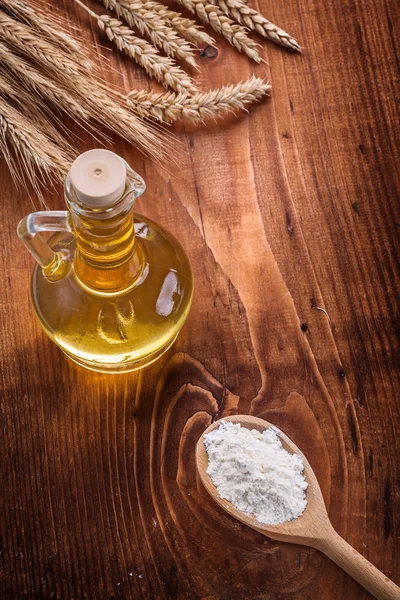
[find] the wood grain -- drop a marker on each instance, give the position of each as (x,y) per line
(284,212)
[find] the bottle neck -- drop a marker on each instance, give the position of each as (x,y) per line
(108,258)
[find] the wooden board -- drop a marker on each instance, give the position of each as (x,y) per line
(291,219)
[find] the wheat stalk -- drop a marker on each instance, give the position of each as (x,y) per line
(46,28)
(234,33)
(30,147)
(252,19)
(161,68)
(201,106)
(187,28)
(148,22)
(42,85)
(28,106)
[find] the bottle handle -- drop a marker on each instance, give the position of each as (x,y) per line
(137,183)
(29,229)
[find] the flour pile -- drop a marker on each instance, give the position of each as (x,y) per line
(255,473)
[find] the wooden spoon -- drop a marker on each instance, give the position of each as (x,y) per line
(313,528)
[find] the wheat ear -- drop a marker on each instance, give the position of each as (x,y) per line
(234,33)
(42,85)
(21,141)
(252,19)
(161,68)
(47,28)
(201,106)
(148,22)
(187,28)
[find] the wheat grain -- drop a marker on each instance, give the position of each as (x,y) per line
(47,28)
(148,22)
(201,106)
(161,68)
(234,33)
(21,141)
(252,19)
(187,28)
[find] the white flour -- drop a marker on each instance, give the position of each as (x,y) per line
(255,473)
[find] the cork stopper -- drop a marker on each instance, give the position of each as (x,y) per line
(98,178)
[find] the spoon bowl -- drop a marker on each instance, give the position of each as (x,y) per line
(301,530)
(313,528)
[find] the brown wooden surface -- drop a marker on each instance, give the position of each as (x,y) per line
(284,212)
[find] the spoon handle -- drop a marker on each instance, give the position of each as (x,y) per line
(358,567)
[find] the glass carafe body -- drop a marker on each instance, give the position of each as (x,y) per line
(111,289)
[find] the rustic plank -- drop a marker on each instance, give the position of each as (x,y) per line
(284,212)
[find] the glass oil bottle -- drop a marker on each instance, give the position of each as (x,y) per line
(110,288)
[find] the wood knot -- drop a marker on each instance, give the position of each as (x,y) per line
(209,52)
(289,223)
